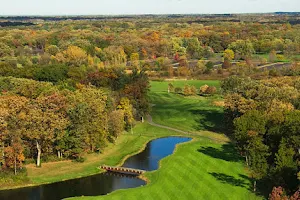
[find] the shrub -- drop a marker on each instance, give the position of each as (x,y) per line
(211,90)
(178,90)
(170,87)
(189,90)
(193,90)
(203,89)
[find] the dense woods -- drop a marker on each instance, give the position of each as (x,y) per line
(263,117)
(164,46)
(42,120)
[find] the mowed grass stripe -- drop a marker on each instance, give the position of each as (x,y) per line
(182,180)
(201,169)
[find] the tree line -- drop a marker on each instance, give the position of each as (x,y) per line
(44,121)
(148,43)
(263,118)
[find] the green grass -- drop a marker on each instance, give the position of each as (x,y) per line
(200,169)
(114,154)
(267,57)
(195,113)
(162,86)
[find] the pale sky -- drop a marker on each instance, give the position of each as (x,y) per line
(115,7)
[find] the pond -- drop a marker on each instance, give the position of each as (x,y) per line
(103,183)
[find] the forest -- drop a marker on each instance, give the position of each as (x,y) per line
(263,117)
(71,86)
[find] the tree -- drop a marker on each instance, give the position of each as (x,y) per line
(89,119)
(193,47)
(285,156)
(170,87)
(211,90)
(178,90)
(52,50)
(200,69)
(43,122)
(51,73)
(11,118)
(248,127)
(226,64)
(184,71)
(14,155)
(278,194)
(189,90)
(228,55)
(258,154)
(243,48)
(116,123)
(134,59)
(203,89)
(126,107)
(73,55)
(136,91)
(5,50)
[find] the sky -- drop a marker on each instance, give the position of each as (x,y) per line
(117,7)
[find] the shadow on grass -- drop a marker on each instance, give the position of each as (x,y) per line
(211,120)
(230,180)
(227,153)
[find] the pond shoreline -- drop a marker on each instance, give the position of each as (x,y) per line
(122,161)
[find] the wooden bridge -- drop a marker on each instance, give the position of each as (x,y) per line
(123,170)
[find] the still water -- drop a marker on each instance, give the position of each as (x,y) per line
(100,184)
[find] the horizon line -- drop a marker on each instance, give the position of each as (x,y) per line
(141,14)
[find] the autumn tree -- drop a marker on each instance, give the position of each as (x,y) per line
(11,118)
(14,155)
(203,89)
(134,59)
(126,107)
(211,90)
(242,48)
(116,123)
(228,55)
(42,123)
(73,55)
(170,87)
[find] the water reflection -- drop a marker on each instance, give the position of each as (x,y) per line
(100,184)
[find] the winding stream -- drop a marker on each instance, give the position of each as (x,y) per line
(103,183)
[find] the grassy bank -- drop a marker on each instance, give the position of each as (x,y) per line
(200,169)
(114,154)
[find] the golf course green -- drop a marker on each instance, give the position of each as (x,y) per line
(208,167)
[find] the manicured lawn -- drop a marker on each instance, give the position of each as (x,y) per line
(162,86)
(193,114)
(200,169)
